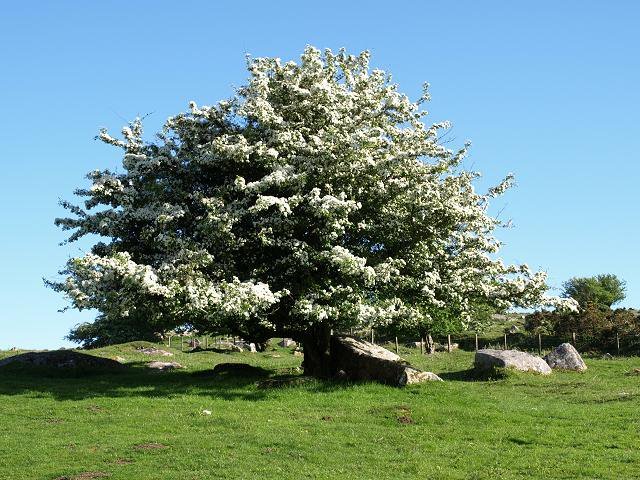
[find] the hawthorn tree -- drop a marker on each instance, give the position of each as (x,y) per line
(315,199)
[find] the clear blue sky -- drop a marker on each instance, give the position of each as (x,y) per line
(547,90)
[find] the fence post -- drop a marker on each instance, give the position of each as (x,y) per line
(372,336)
(539,344)
(206,342)
(421,348)
(573,337)
(618,342)
(476,342)
(448,343)
(169,341)
(396,345)
(505,341)
(182,343)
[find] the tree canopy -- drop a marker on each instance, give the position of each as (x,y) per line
(314,198)
(602,290)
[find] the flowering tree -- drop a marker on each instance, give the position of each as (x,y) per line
(314,199)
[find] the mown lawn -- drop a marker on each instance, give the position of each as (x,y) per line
(142,424)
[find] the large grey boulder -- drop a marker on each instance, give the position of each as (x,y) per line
(287,342)
(565,357)
(359,360)
(488,359)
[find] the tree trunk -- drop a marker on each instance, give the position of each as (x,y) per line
(431,347)
(316,344)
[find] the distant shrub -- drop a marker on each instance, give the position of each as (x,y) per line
(602,290)
(596,326)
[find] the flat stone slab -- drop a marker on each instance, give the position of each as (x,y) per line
(565,357)
(488,359)
(359,360)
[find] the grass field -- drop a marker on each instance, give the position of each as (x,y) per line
(142,424)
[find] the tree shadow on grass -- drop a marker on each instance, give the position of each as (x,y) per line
(228,381)
(208,350)
(134,380)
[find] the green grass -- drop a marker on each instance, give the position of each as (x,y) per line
(498,326)
(568,425)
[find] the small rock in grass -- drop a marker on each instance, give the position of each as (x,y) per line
(164,366)
(442,347)
(206,412)
(233,347)
(154,351)
(250,347)
(416,376)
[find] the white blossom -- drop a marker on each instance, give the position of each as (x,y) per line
(316,194)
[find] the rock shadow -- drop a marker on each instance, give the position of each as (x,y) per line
(473,375)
